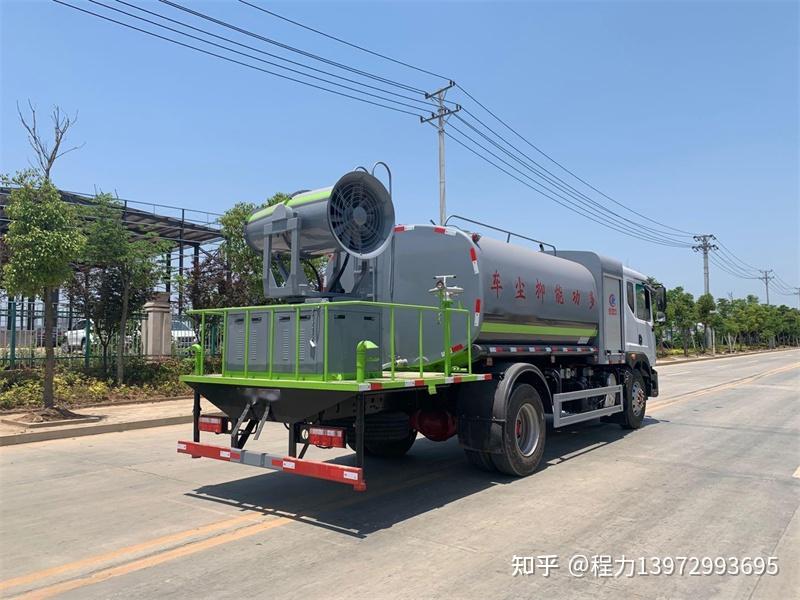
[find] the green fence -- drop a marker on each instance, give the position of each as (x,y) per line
(76,341)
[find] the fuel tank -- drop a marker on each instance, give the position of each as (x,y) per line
(512,294)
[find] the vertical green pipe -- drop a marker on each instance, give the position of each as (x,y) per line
(202,342)
(447,341)
(391,339)
(420,342)
(246,340)
(271,339)
(297,343)
(12,319)
(224,340)
(325,343)
(212,342)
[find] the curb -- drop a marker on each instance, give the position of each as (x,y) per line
(13,411)
(682,361)
(41,436)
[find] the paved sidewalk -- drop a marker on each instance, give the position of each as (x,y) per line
(113,418)
(669,360)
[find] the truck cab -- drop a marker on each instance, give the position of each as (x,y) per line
(639,315)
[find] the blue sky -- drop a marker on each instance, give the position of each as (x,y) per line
(686,111)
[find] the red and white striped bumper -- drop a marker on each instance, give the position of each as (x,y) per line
(310,468)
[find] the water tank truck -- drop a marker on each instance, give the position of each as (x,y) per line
(409,330)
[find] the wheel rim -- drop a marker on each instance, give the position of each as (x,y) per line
(526,430)
(637,397)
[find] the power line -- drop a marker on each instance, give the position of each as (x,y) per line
(256,58)
(589,216)
(291,48)
(560,183)
(722,266)
(254,49)
(345,42)
(729,251)
(555,162)
(232,60)
(733,266)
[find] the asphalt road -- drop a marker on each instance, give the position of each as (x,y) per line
(714,473)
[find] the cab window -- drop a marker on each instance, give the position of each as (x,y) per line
(642,302)
(629,296)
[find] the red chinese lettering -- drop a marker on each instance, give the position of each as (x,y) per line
(496,285)
(576,297)
(559,295)
(520,286)
(591,300)
(539,290)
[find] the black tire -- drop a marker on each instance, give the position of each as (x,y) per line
(634,400)
(390,448)
(480,460)
(523,433)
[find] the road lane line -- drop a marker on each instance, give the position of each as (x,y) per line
(721,387)
(796,473)
(135,548)
(155,559)
(171,554)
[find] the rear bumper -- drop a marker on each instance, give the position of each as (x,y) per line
(310,468)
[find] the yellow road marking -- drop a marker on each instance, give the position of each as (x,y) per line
(720,388)
(796,473)
(156,559)
(190,548)
(121,552)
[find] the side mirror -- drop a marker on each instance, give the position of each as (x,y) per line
(660,294)
(661,317)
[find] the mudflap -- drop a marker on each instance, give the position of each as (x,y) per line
(478,429)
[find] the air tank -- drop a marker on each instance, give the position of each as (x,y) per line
(513,294)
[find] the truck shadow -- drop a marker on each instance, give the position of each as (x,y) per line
(431,476)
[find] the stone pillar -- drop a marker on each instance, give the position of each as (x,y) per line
(157,327)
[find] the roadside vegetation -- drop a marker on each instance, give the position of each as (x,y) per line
(726,324)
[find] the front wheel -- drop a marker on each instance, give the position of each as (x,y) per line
(634,401)
(523,433)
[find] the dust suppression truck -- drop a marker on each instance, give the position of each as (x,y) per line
(381,332)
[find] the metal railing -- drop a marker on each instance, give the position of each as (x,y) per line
(75,342)
(219,337)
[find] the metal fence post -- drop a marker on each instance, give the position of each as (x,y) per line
(12,320)
(87,343)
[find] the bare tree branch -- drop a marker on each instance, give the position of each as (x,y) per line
(45,155)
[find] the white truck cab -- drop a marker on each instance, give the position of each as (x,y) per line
(639,315)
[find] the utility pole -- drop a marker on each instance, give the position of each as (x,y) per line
(440,116)
(766,277)
(796,292)
(704,245)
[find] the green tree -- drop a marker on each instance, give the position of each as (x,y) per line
(125,271)
(705,308)
(42,241)
(681,315)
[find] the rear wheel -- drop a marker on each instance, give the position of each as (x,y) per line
(480,460)
(390,448)
(523,433)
